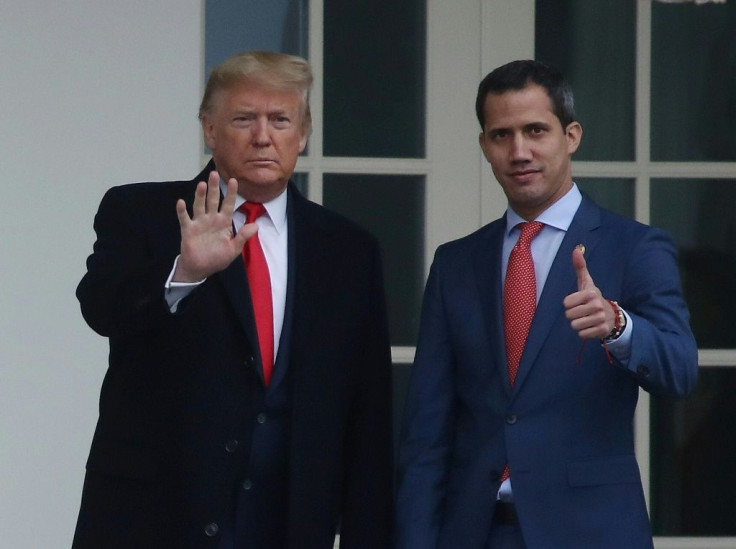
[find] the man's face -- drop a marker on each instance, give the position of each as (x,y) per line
(528,149)
(255,134)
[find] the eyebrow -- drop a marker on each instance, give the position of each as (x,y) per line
(251,110)
(526,127)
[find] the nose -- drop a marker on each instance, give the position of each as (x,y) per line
(520,151)
(261,135)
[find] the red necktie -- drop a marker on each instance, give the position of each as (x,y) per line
(519,300)
(259,281)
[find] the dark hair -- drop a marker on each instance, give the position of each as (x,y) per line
(518,75)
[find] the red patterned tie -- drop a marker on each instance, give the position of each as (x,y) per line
(519,300)
(259,281)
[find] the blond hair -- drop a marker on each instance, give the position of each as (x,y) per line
(273,70)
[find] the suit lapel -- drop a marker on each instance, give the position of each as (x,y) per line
(487,268)
(561,281)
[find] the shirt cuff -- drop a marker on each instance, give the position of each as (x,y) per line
(620,347)
(174,292)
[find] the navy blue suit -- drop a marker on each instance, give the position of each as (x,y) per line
(191,449)
(566,427)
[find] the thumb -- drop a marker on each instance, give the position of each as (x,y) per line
(581,270)
(245,233)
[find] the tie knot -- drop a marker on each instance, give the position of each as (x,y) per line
(529,230)
(252,210)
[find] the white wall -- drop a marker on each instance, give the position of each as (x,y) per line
(92,94)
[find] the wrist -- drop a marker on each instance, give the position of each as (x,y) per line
(619,322)
(184,275)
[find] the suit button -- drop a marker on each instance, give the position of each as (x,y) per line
(261,418)
(642,371)
(231,445)
(250,361)
(511,419)
(211,529)
(247,484)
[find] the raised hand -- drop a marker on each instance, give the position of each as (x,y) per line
(590,315)
(207,241)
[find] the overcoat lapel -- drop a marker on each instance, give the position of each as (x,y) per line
(561,281)
(234,281)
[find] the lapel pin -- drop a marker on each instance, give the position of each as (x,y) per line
(581,247)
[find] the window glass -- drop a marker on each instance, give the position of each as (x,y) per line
(693,81)
(693,483)
(374,78)
(301,180)
(616,195)
(593,43)
(232,26)
(696,213)
(391,207)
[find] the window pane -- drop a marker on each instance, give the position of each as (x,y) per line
(693,491)
(232,26)
(374,81)
(593,43)
(697,214)
(693,81)
(615,194)
(301,180)
(392,208)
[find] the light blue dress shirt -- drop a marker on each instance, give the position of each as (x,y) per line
(544,247)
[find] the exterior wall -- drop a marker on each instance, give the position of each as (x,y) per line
(94,94)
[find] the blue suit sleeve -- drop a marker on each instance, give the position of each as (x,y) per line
(428,425)
(664,355)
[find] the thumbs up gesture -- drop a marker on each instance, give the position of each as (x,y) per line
(590,315)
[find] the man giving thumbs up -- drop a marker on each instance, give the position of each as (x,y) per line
(518,429)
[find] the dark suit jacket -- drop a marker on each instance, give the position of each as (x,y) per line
(183,405)
(566,427)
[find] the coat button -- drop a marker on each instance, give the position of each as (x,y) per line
(231,445)
(511,419)
(642,371)
(211,529)
(250,361)
(261,418)
(247,484)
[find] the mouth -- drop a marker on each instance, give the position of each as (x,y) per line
(261,162)
(523,176)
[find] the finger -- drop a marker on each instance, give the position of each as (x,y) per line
(213,192)
(182,214)
(199,197)
(585,281)
(228,203)
(573,306)
(245,232)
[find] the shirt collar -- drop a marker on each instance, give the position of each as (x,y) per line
(558,215)
(276,208)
